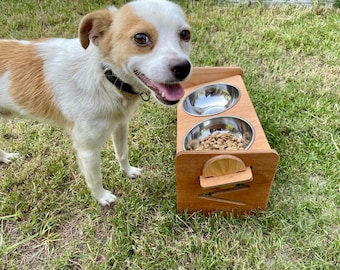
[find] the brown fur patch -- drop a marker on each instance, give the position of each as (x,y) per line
(119,45)
(113,33)
(28,88)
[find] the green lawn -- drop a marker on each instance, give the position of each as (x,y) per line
(291,62)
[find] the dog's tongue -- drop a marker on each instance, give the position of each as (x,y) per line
(173,92)
(169,92)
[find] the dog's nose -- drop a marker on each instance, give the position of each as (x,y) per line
(181,70)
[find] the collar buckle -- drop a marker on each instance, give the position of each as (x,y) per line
(145,96)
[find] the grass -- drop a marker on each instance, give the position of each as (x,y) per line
(290,57)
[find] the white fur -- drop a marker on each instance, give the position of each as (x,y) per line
(92,108)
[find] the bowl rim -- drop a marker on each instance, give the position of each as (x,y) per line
(207,85)
(217,117)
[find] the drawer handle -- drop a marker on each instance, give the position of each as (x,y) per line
(240,177)
(224,170)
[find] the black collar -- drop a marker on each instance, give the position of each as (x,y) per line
(118,82)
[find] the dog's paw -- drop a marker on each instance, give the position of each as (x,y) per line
(133,172)
(7,157)
(106,198)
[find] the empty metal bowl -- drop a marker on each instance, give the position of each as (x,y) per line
(211,99)
(235,126)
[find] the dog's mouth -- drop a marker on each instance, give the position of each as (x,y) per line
(168,94)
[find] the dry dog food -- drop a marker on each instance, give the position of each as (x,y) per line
(217,141)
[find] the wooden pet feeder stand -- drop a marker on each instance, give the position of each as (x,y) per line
(228,181)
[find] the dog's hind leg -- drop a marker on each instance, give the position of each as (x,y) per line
(119,138)
(7,157)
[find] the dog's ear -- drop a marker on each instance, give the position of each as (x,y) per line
(94,26)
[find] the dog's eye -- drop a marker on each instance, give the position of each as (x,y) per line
(141,39)
(185,35)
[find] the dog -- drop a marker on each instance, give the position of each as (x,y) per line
(91,85)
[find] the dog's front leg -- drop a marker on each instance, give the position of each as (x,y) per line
(7,157)
(119,138)
(89,162)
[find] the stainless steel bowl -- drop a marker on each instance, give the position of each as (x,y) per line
(211,99)
(225,124)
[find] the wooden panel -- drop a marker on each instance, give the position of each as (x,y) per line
(239,199)
(202,75)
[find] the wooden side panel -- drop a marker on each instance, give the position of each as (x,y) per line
(239,199)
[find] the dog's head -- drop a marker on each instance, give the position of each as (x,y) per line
(146,44)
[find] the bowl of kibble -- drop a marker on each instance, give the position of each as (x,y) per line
(220,133)
(211,99)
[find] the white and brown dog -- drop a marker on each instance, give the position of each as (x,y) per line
(91,85)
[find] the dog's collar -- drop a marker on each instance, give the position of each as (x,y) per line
(118,82)
(122,85)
